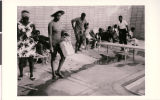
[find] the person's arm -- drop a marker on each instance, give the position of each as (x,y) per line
(33,30)
(92,34)
(85,23)
(33,27)
(118,27)
(73,22)
(18,33)
(127,26)
(99,38)
(50,36)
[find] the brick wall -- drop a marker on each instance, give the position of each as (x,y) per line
(137,21)
(97,16)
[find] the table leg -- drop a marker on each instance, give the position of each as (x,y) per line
(133,54)
(125,54)
(107,50)
(107,53)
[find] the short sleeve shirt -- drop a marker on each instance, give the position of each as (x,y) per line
(123,24)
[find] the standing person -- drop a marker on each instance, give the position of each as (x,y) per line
(78,27)
(123,29)
(54,33)
(26,44)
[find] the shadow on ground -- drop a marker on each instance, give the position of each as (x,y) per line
(104,60)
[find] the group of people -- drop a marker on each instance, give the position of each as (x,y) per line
(27,41)
(85,36)
(118,32)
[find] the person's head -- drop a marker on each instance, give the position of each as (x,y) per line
(83,15)
(57,15)
(100,30)
(132,29)
(37,32)
(86,25)
(115,26)
(64,33)
(109,28)
(120,18)
(25,15)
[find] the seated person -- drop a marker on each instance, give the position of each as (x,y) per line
(134,41)
(131,37)
(87,35)
(35,35)
(115,33)
(98,39)
(66,44)
(109,34)
(101,33)
(41,44)
(93,38)
(65,36)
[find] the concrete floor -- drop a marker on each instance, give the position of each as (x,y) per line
(86,73)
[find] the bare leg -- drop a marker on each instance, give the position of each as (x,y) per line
(76,46)
(53,58)
(79,46)
(61,64)
(80,42)
(21,65)
(77,43)
(52,67)
(31,66)
(30,60)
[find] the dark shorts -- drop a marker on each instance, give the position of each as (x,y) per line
(56,48)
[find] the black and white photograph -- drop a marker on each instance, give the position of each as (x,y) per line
(81,50)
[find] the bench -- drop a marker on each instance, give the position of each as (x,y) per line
(124,46)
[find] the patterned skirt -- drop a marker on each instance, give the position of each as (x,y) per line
(26,48)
